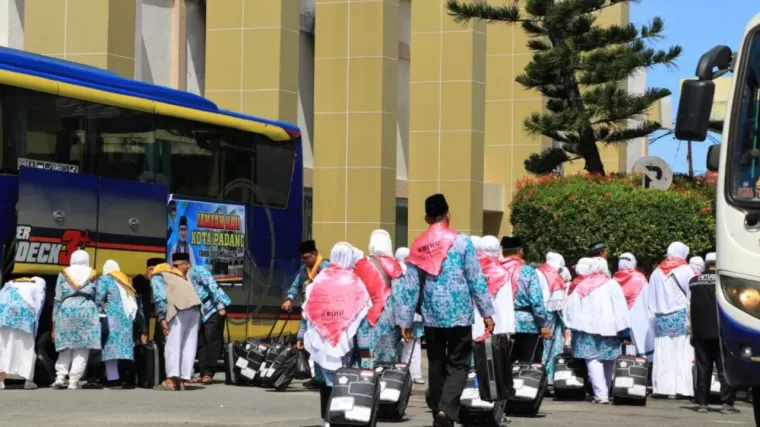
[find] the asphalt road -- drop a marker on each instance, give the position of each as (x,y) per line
(221,405)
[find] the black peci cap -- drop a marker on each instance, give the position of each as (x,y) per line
(307,246)
(436,206)
(511,242)
(154,262)
(181,256)
(183,221)
(596,249)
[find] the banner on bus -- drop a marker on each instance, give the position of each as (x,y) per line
(212,233)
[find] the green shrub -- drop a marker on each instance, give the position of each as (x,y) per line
(567,215)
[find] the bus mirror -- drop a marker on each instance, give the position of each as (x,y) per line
(694,108)
(713,157)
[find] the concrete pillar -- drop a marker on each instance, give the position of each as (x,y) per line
(94,32)
(252,56)
(447,103)
(355,104)
(12,23)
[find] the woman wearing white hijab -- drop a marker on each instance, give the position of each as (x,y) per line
(597,315)
(412,348)
(76,327)
(334,320)
(554,288)
(21,302)
(116,294)
(668,297)
(697,263)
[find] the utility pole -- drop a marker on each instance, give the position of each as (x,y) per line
(688,159)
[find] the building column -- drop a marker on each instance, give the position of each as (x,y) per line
(12,23)
(355,102)
(252,56)
(447,103)
(100,33)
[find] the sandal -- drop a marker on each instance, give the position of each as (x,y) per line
(208,380)
(195,380)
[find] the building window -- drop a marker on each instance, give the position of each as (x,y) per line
(402,222)
(308,205)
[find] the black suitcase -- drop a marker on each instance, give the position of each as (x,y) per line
(395,389)
(473,411)
(492,366)
(629,380)
(530,383)
(44,370)
(243,361)
(354,399)
(570,377)
(283,370)
(266,371)
(149,365)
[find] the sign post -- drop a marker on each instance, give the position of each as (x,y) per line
(656,172)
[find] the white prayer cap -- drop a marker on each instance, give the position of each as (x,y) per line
(697,263)
(342,255)
(627,261)
(583,268)
(565,274)
(80,257)
(678,250)
(380,243)
(476,241)
(710,258)
(110,266)
(490,246)
(402,254)
(598,265)
(555,260)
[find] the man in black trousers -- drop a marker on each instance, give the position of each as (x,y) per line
(704,338)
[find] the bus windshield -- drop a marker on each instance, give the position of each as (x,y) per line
(744,150)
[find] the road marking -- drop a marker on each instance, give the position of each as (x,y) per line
(728,422)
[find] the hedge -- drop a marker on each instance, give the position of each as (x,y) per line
(567,215)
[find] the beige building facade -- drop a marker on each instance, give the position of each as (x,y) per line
(395,100)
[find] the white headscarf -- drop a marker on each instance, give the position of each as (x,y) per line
(698,264)
(401,255)
(128,302)
(583,268)
(490,246)
(358,254)
(627,261)
(79,269)
(380,243)
(476,241)
(678,250)
(555,260)
(565,274)
(599,265)
(343,255)
(710,257)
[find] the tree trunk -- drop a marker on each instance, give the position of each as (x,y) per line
(594,163)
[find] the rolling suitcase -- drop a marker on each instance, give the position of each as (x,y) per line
(282,371)
(629,380)
(494,374)
(395,389)
(530,383)
(354,399)
(148,363)
(473,411)
(243,361)
(570,377)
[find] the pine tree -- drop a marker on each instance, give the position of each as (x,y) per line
(581,69)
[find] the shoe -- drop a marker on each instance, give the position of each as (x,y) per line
(311,384)
(419,381)
(2,385)
(28,385)
(702,409)
(58,385)
(672,397)
(729,409)
(74,385)
(442,420)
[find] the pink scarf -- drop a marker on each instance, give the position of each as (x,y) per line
(430,249)
(671,263)
(590,283)
(337,297)
(513,265)
(632,281)
(496,275)
(555,281)
(379,289)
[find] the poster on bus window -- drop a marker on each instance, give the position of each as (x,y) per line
(212,233)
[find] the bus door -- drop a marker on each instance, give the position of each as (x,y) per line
(57,214)
(132,223)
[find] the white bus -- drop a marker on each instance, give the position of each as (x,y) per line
(738,197)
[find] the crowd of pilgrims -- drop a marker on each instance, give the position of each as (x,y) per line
(359,310)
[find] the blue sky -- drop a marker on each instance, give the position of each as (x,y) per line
(696,25)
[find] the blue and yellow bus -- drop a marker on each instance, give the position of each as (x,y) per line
(88,160)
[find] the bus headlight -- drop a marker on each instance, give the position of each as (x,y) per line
(743,294)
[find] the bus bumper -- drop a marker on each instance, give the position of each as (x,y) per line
(739,371)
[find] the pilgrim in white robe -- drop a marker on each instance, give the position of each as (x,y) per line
(642,319)
(503,304)
(554,301)
(668,299)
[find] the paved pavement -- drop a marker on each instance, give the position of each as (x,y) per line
(221,405)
